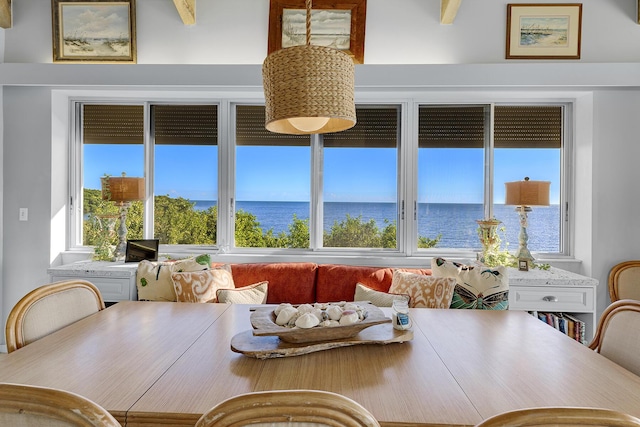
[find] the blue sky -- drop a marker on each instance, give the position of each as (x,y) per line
(282,173)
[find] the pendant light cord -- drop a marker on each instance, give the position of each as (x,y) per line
(308,4)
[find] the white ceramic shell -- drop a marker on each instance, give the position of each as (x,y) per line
(307,320)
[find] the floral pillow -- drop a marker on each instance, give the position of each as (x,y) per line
(377,298)
(252,294)
(202,286)
(153,279)
(479,287)
(424,291)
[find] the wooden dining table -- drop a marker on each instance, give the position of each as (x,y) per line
(165,364)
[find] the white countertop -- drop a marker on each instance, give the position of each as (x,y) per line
(96,268)
(552,277)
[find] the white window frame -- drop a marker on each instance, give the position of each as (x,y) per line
(407,194)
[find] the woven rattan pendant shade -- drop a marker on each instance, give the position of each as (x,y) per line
(309,82)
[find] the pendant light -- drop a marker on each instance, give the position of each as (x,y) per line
(308,89)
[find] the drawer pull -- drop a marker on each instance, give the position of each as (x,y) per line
(550,298)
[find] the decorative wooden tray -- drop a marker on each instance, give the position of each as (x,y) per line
(263,322)
(269,347)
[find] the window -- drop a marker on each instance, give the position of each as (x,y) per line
(467,153)
(112,145)
(272,184)
(181,155)
(216,178)
(356,182)
(185,173)
(360,181)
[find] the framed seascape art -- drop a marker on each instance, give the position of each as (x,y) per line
(544,31)
(94,31)
(335,24)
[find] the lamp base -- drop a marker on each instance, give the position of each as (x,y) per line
(121,249)
(523,253)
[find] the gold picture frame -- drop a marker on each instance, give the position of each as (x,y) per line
(347,19)
(94,31)
(544,31)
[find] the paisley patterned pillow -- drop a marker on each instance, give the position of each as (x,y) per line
(424,291)
(479,287)
(201,286)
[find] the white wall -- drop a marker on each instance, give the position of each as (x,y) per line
(398,32)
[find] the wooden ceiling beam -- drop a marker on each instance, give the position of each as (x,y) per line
(5,13)
(448,10)
(187,10)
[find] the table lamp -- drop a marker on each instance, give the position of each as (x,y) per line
(122,191)
(524,194)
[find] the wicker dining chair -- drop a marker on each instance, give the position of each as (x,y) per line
(288,407)
(556,416)
(48,308)
(27,405)
(624,281)
(618,323)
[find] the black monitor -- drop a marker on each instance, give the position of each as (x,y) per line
(141,249)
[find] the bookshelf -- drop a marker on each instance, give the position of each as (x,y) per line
(563,294)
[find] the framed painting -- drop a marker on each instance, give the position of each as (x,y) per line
(335,24)
(544,31)
(94,31)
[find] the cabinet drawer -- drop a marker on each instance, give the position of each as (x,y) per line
(551,299)
(112,288)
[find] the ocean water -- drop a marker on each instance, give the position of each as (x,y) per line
(456,222)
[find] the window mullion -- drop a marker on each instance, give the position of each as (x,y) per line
(489,160)
(149,152)
(316,213)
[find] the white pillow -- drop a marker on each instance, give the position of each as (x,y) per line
(375,297)
(252,294)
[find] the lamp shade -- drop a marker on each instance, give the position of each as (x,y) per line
(122,189)
(527,193)
(309,89)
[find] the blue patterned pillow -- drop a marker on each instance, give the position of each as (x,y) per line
(478,287)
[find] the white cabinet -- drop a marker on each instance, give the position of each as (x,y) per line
(115,280)
(555,290)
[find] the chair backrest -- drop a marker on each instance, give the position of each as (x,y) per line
(624,281)
(616,336)
(289,407)
(555,416)
(26,405)
(48,308)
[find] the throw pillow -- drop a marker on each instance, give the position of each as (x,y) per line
(201,286)
(377,298)
(424,291)
(480,287)
(153,279)
(252,294)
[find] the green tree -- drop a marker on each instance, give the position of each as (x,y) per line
(178,222)
(425,242)
(353,233)
(248,232)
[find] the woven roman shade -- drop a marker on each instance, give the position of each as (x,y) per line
(377,127)
(185,124)
(171,124)
(527,126)
(113,124)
